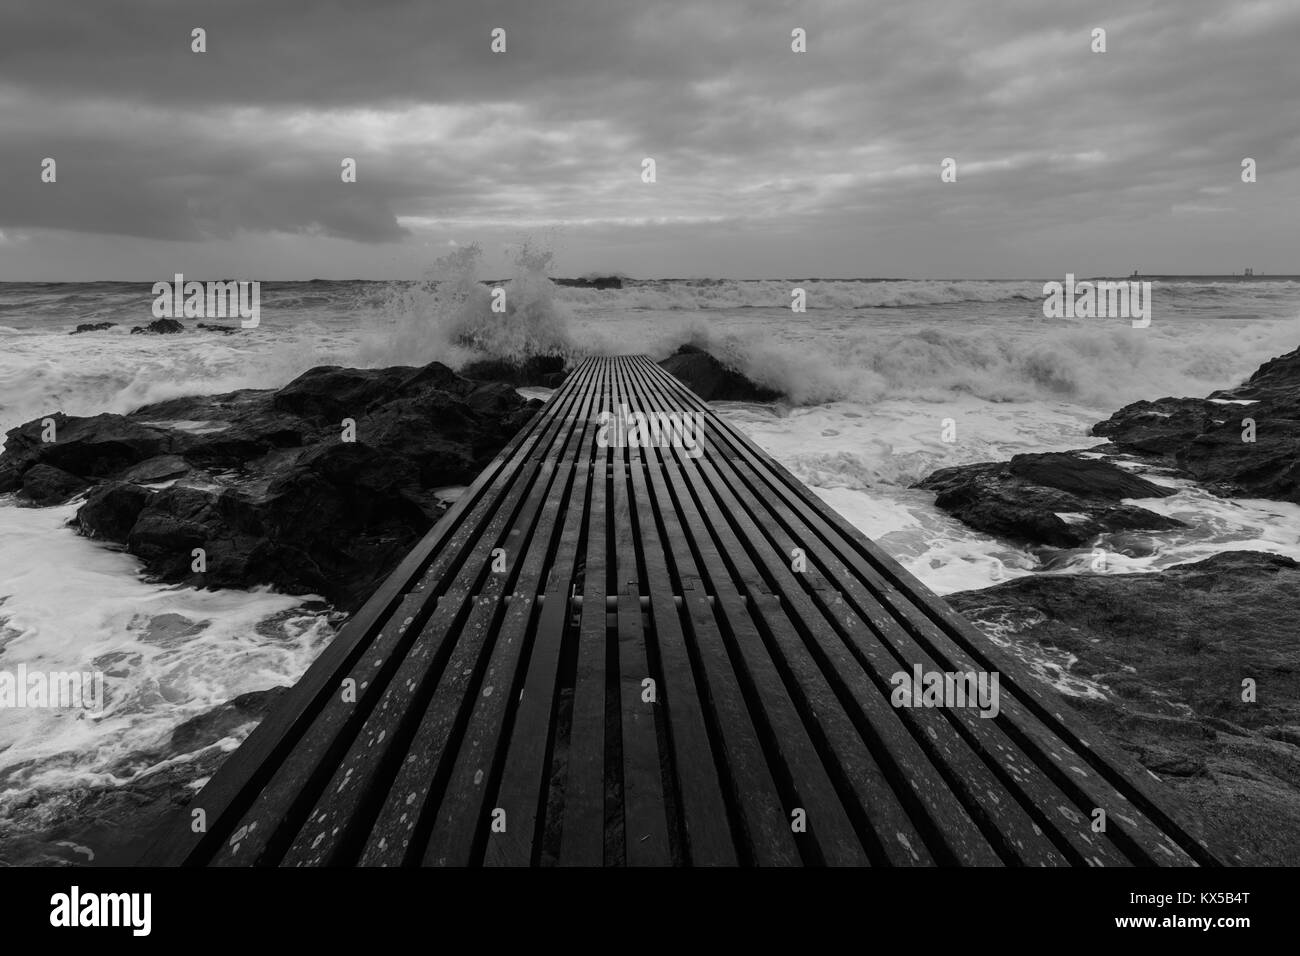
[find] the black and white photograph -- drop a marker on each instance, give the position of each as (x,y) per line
(625,434)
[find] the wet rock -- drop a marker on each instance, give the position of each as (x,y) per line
(92,327)
(112,824)
(265,482)
(220,721)
(155,470)
(713,381)
(159,327)
(1168,653)
(1163,426)
(111,510)
(597,282)
(90,448)
(1208,438)
(1062,500)
(47,485)
(537,370)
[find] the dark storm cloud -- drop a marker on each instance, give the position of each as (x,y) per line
(157,142)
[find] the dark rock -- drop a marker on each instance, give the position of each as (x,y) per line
(227,329)
(1024,499)
(1269,467)
(159,327)
(1204,439)
(111,824)
(1207,438)
(599,282)
(328,394)
(111,510)
(266,485)
(155,470)
(47,485)
(1087,477)
(92,327)
(1277,380)
(537,370)
(215,724)
(89,448)
(1163,426)
(713,381)
(1167,653)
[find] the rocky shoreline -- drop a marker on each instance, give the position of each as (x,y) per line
(266,484)
(1194,669)
(1157,662)
(319,487)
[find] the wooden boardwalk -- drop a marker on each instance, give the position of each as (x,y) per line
(611,655)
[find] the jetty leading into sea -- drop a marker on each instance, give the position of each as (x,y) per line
(611,654)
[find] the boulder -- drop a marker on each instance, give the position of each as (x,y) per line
(90,448)
(92,327)
(713,381)
(1242,441)
(159,327)
(1165,655)
(219,722)
(153,470)
(47,485)
(265,482)
(595,282)
(1062,500)
(537,370)
(111,510)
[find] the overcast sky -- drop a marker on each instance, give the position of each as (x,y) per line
(769,162)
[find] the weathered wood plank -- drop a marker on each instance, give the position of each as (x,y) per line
(651,681)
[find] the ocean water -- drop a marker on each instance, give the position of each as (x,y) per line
(873,370)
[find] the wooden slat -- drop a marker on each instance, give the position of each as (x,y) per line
(187,840)
(463,814)
(506,717)
(914,606)
(583,827)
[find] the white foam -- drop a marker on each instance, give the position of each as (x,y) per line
(168,653)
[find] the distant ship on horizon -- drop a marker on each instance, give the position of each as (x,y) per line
(1248,273)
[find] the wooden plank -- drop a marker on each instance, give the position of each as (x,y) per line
(703,806)
(797,764)
(332,826)
(828,622)
(582,836)
(750,785)
(893,832)
(645,823)
(772,688)
(999,808)
(470,674)
(463,812)
(241,777)
(1016,828)
(1003,789)
(1068,767)
(522,788)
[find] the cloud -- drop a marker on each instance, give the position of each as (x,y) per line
(1101,152)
